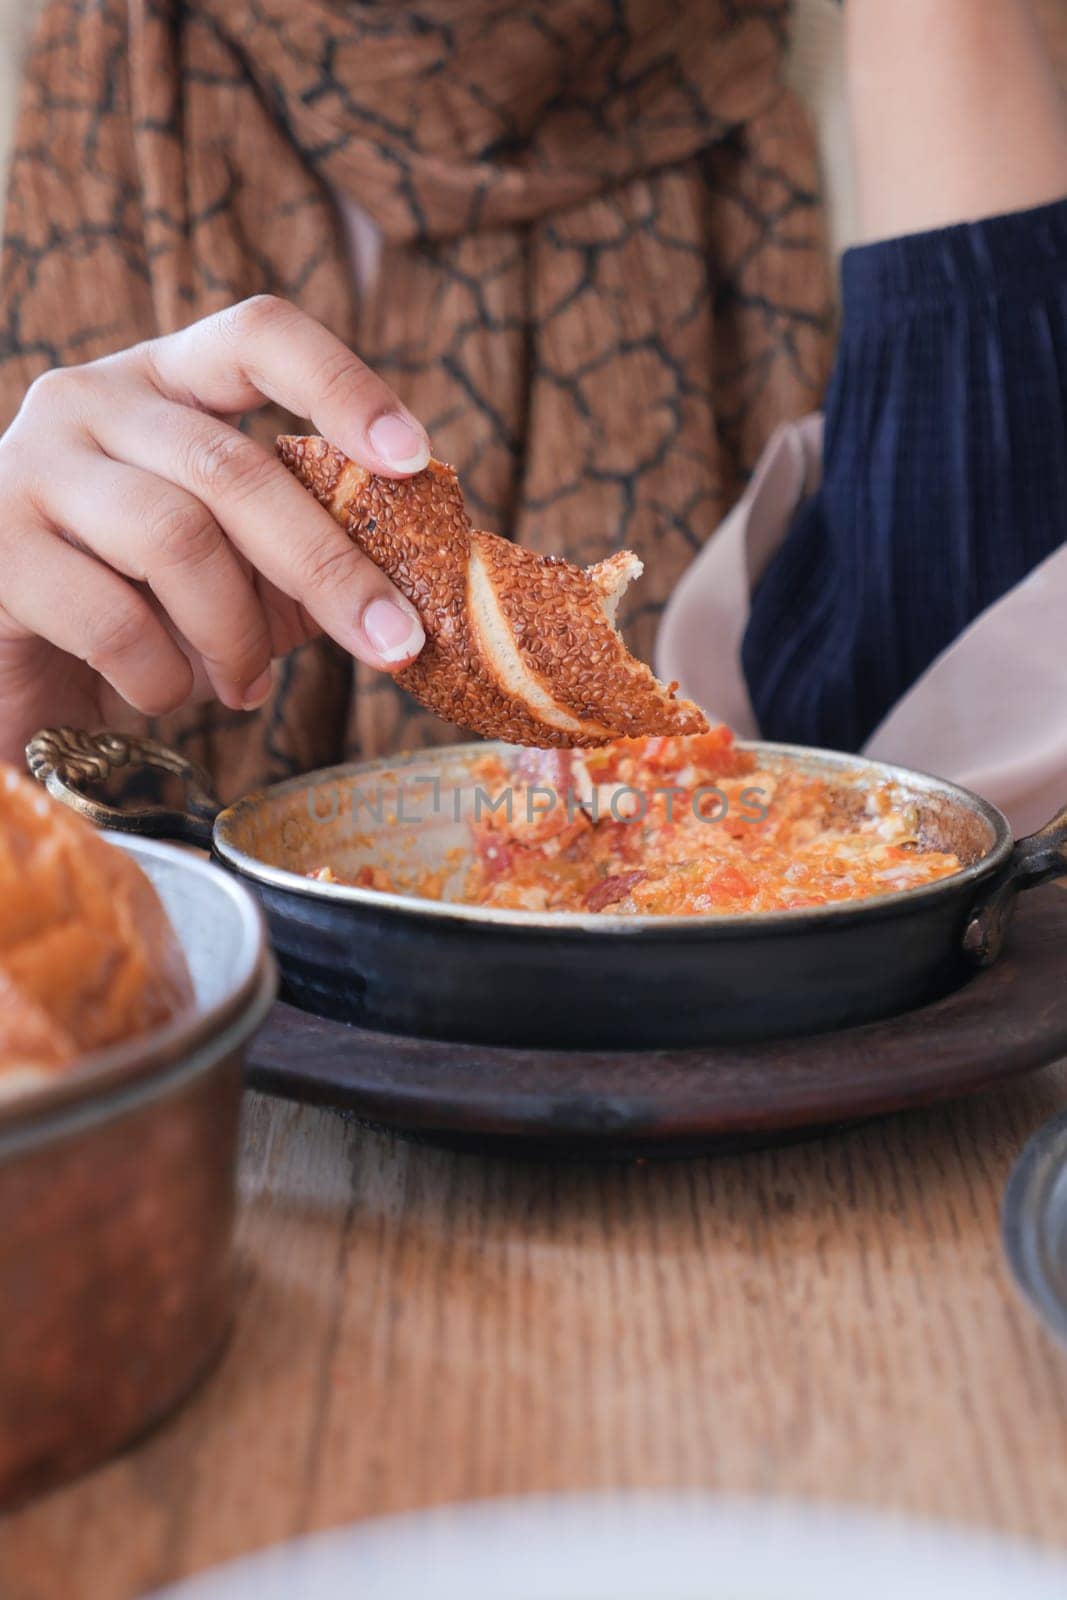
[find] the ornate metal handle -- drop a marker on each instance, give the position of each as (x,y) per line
(70,763)
(1035,859)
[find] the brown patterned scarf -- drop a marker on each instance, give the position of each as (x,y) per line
(602,280)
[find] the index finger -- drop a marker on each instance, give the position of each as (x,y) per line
(251,497)
(268,349)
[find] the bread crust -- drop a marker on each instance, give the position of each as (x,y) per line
(519,646)
(87,955)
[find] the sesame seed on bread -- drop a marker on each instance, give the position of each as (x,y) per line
(519,646)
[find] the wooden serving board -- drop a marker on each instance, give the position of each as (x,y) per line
(1005,1021)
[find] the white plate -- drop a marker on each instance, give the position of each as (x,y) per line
(638,1547)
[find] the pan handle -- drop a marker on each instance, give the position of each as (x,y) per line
(1035,859)
(70,763)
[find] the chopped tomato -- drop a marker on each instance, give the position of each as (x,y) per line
(731,881)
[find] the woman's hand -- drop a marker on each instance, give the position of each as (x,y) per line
(146,543)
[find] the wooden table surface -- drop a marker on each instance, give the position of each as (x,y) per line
(830,1319)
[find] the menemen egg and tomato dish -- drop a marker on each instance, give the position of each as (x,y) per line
(686,826)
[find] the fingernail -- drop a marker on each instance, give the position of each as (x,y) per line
(399,443)
(257,692)
(394,629)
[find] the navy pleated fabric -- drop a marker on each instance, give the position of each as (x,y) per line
(945,472)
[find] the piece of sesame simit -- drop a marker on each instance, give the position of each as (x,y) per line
(519,646)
